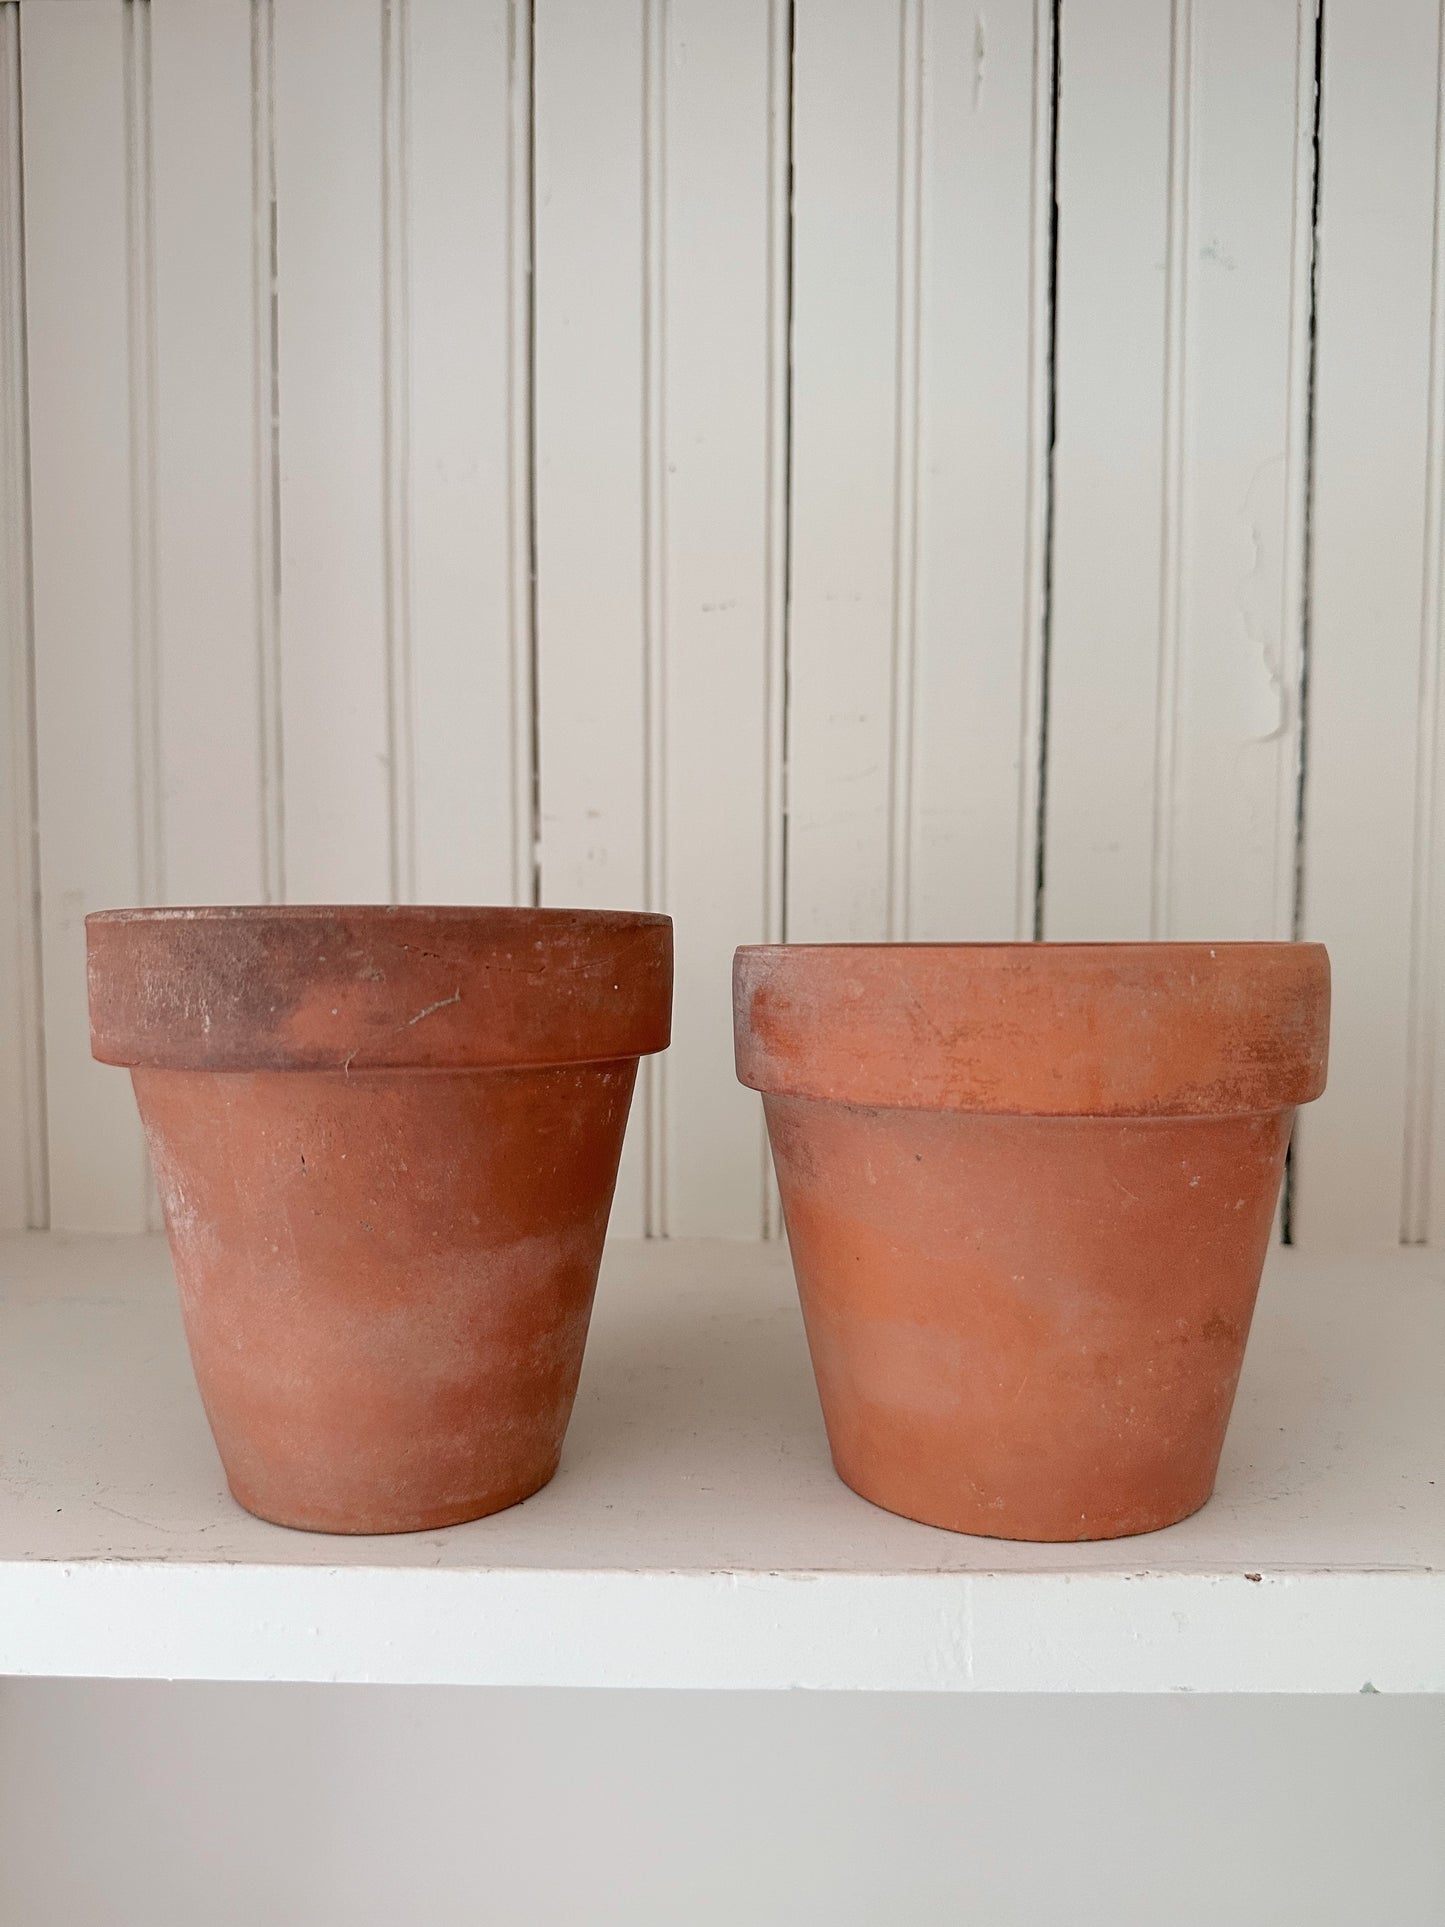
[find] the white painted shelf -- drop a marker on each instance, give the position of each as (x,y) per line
(696,1535)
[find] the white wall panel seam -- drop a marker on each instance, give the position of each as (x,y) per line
(141,343)
(1290,669)
(396,445)
(653,1080)
(1033,706)
(140,294)
(267,455)
(521,453)
(777,520)
(1174,470)
(1297,612)
(1425,981)
(24,1187)
(902,828)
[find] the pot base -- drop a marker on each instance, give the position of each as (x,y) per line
(358,1524)
(977,1522)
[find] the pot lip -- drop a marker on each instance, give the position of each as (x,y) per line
(376,987)
(1026,947)
(1133,1029)
(380,913)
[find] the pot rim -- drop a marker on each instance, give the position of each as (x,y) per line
(1042,946)
(382,912)
(1132,1029)
(358,987)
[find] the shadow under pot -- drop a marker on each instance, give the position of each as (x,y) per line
(386,1141)
(1028,1192)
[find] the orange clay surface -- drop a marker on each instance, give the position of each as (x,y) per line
(386,1143)
(1028,1192)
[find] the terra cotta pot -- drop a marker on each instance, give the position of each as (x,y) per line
(386,1141)
(1028,1191)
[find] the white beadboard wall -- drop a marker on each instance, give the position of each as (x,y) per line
(824,468)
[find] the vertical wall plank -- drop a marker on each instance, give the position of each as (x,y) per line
(594,780)
(778,525)
(208,386)
(1379,117)
(1113,158)
(919,421)
(465,160)
(336,670)
(1423,1217)
(722,471)
(79,288)
(1183,296)
(847,87)
(23,1188)
(1227,822)
(982,459)
(590,592)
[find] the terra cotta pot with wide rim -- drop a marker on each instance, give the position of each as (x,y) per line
(1028,1191)
(386,1141)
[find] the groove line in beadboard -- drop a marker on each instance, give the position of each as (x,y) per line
(907,399)
(778,517)
(1174,469)
(1034,885)
(522,453)
(141,349)
(1425,981)
(140,302)
(654,561)
(1310,93)
(1038,477)
(267,452)
(396,448)
(16,620)
(1288,669)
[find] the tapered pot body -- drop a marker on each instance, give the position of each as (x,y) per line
(1028,1193)
(386,1143)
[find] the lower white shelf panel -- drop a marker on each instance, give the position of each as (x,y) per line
(696,1535)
